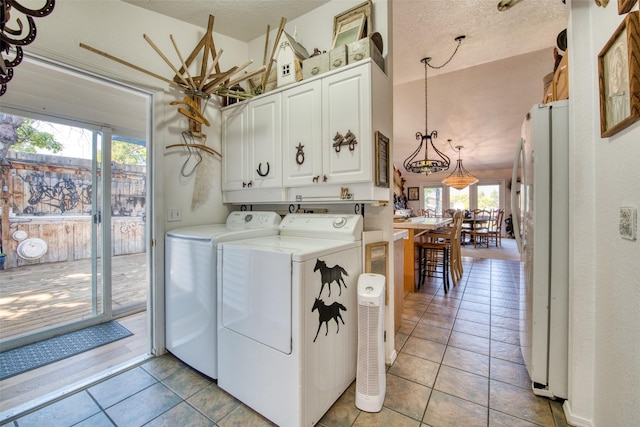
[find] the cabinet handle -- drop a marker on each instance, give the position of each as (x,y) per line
(247,184)
(348,139)
(338,140)
(300,154)
(324,178)
(316,178)
(259,170)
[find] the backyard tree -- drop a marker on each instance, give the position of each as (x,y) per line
(18,134)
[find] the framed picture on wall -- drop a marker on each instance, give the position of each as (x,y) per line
(413,193)
(619,77)
(382,160)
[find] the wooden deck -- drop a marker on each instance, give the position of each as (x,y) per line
(34,297)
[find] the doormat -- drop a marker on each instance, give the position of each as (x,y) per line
(32,356)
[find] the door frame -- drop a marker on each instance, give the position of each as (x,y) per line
(155,296)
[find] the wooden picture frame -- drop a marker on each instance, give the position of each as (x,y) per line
(619,77)
(363,9)
(413,193)
(625,6)
(376,261)
(382,160)
(348,31)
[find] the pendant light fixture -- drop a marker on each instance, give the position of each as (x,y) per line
(423,164)
(460,177)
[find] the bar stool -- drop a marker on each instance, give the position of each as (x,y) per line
(445,240)
(434,258)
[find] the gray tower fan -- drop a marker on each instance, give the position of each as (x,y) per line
(371,381)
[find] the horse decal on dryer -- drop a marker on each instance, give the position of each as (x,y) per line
(330,275)
(326,313)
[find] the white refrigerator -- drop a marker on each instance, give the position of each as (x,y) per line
(541,227)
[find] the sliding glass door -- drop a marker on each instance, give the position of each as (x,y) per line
(73,228)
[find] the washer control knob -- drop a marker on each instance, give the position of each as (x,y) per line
(339,222)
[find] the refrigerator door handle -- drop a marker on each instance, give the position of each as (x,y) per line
(514,195)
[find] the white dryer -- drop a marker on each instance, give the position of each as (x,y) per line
(287,318)
(190,284)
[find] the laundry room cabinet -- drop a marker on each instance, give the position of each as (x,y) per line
(251,135)
(346,126)
(302,135)
(328,127)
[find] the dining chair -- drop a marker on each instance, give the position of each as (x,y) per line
(495,228)
(448,213)
(428,213)
(480,227)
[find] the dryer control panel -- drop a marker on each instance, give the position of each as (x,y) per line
(244,220)
(323,226)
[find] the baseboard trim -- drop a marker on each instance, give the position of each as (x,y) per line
(573,419)
(391,358)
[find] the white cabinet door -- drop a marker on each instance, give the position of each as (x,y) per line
(346,109)
(234,146)
(265,142)
(302,135)
(251,138)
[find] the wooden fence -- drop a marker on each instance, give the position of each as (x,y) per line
(50,198)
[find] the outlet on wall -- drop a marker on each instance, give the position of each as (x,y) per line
(175,214)
(628,224)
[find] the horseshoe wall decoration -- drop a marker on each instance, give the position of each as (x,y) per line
(14,33)
(259,170)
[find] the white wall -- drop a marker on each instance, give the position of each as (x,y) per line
(604,373)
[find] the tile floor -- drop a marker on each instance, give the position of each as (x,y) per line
(458,364)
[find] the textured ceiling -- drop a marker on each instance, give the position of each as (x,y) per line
(484,92)
(428,28)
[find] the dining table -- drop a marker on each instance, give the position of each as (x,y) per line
(416,226)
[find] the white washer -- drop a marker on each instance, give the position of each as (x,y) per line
(287,317)
(190,284)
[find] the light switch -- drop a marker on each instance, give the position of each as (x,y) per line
(174,214)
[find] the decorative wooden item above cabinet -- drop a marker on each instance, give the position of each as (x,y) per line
(559,87)
(561,80)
